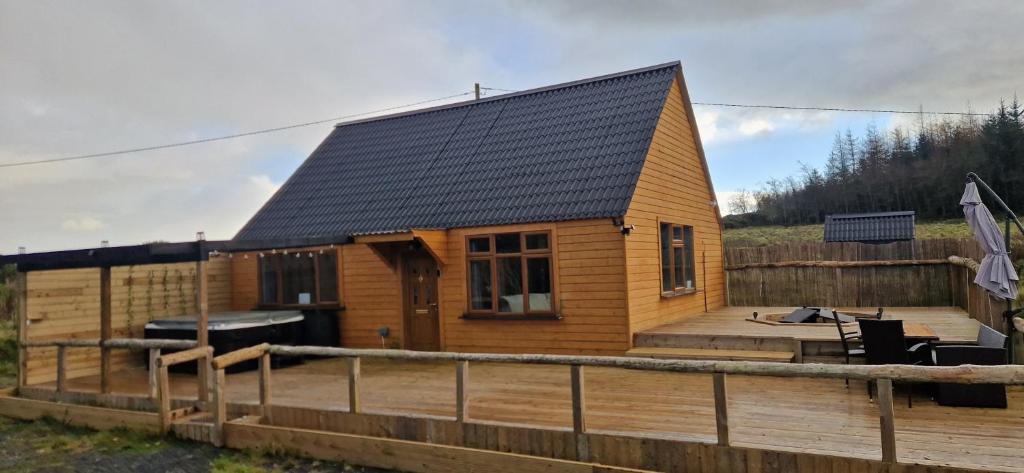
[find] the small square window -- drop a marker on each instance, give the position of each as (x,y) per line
(537,241)
(507,243)
(677,233)
(480,245)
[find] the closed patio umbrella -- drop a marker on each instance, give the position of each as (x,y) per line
(996,273)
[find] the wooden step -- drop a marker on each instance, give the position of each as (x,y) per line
(712,354)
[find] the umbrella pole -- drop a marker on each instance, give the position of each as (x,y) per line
(1009,303)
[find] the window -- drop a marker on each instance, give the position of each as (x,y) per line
(299,278)
(510,273)
(677,265)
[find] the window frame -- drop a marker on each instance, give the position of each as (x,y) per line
(276,260)
(524,254)
(688,256)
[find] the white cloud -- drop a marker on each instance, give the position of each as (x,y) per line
(83,224)
(756,127)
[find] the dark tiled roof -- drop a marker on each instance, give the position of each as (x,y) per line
(881,226)
(565,152)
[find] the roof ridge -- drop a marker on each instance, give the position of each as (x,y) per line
(536,90)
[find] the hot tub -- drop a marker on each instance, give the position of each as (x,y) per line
(230,331)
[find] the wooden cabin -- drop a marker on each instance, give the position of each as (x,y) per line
(556,220)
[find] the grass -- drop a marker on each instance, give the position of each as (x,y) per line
(773,235)
(50,445)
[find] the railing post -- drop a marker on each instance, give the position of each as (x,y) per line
(220,411)
(265,409)
(886,420)
(164,392)
(721,409)
(61,371)
(353,384)
(154,354)
(579,412)
(461,393)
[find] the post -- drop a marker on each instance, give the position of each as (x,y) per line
(798,350)
(461,393)
(61,370)
(476,90)
(265,387)
(220,409)
(154,353)
(202,322)
(21,281)
(353,384)
(106,329)
(721,409)
(164,392)
(579,412)
(886,420)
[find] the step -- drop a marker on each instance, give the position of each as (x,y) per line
(712,354)
(712,342)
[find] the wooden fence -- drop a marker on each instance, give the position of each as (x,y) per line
(897,274)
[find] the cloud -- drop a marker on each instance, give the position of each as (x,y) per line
(756,127)
(82,224)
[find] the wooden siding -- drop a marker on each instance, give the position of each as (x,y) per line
(591,294)
(372,299)
(66,304)
(672,188)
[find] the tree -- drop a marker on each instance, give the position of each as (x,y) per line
(741,203)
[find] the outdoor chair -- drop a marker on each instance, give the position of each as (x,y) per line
(970,395)
(990,337)
(885,344)
(846,338)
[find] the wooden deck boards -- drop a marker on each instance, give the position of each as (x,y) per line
(951,324)
(819,416)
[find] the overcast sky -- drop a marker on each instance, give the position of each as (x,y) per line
(87,77)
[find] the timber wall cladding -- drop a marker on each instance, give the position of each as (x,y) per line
(591,291)
(65,304)
(672,187)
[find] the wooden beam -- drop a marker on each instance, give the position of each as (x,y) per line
(106,330)
(838,264)
(202,324)
(164,394)
(721,409)
(886,420)
(61,370)
(220,406)
(579,412)
(21,282)
(78,415)
(461,391)
(353,384)
(238,356)
(184,356)
(154,354)
(385,238)
(129,343)
(964,374)
(265,387)
(402,455)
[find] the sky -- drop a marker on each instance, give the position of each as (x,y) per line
(89,77)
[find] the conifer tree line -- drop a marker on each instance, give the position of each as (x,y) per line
(922,170)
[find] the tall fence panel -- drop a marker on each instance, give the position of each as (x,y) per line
(906,274)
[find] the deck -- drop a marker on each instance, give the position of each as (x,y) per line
(787,414)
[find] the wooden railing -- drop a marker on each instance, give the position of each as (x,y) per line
(883,375)
(154,346)
(203,354)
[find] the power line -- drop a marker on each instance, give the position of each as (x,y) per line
(821,109)
(223,137)
(835,109)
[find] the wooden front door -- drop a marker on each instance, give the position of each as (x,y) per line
(422,324)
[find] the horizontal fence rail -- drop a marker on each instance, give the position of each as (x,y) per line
(882,375)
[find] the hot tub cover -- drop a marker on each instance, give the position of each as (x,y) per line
(229,320)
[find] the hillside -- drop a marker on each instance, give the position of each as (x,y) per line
(771,235)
